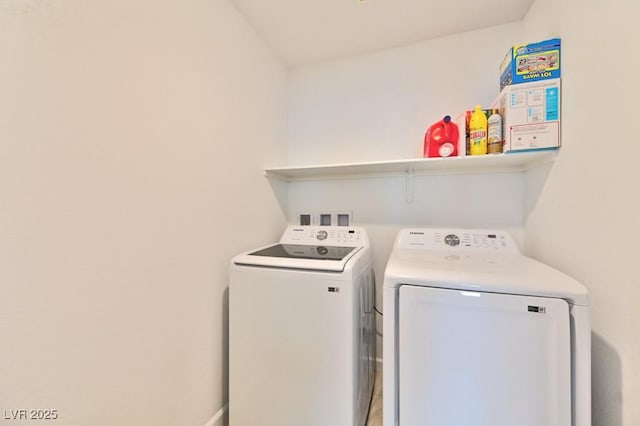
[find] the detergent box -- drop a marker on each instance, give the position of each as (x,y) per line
(531,62)
(531,115)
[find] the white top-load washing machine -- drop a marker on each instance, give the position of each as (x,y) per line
(476,334)
(301,330)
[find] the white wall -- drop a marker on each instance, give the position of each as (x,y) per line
(132,138)
(378,107)
(579,214)
(584,217)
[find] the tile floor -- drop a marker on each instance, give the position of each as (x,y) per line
(375,411)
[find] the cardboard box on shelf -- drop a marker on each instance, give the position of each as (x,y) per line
(531,62)
(531,115)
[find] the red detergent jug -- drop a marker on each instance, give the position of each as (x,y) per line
(441,139)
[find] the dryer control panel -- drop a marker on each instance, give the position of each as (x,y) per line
(457,240)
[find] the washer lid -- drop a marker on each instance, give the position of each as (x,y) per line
(299,256)
(316,248)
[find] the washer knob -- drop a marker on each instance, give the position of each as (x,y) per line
(322,235)
(452,240)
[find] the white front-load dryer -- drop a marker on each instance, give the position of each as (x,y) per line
(476,334)
(301,330)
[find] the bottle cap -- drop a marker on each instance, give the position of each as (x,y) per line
(447,118)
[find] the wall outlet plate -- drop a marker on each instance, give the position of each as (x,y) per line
(324,218)
(344,218)
(334,218)
(305,219)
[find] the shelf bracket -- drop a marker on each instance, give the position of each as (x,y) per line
(409,185)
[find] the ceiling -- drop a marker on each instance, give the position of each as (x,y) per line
(302,32)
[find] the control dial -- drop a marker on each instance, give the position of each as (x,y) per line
(322,235)
(452,240)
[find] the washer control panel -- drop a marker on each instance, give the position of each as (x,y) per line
(326,235)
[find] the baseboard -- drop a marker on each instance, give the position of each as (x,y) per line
(219,418)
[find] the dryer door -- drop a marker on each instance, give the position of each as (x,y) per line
(482,359)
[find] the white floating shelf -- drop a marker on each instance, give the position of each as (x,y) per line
(498,163)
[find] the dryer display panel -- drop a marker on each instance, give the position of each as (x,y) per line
(298,251)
